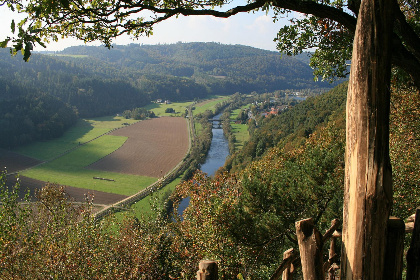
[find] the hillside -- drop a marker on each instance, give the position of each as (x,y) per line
(292,127)
(223,69)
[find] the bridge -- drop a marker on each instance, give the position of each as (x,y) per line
(217,122)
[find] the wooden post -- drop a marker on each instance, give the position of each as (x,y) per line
(331,256)
(288,272)
(394,249)
(368,176)
(290,257)
(310,247)
(207,270)
(413,254)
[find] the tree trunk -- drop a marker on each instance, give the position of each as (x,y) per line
(368,180)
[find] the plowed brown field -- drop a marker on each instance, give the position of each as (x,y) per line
(153,148)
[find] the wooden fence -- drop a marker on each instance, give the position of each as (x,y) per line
(311,259)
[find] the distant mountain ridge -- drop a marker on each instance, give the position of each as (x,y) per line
(201,58)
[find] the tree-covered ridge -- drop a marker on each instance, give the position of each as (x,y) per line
(209,63)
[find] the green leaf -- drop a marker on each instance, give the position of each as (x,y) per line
(65,3)
(12,26)
(27,51)
(3,44)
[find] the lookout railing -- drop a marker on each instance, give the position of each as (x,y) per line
(311,258)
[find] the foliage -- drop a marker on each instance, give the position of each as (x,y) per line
(55,238)
(33,117)
(246,220)
(169,110)
(405,150)
(138,114)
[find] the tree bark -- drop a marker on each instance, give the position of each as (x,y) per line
(368,179)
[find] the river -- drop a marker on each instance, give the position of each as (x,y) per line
(216,157)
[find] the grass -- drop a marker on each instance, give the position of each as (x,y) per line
(198,128)
(159,109)
(82,132)
(239,130)
(144,207)
(208,105)
(241,133)
(70,169)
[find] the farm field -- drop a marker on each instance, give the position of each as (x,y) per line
(131,158)
(69,170)
(153,148)
(82,132)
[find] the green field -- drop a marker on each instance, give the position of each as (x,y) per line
(82,132)
(144,206)
(159,109)
(70,169)
(239,130)
(208,105)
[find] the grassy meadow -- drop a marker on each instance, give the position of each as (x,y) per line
(208,104)
(159,109)
(239,130)
(82,132)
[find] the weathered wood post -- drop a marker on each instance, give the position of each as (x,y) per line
(368,178)
(207,270)
(310,248)
(394,249)
(288,271)
(289,263)
(332,256)
(413,254)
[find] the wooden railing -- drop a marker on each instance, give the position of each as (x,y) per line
(310,256)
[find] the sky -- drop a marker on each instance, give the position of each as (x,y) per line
(251,29)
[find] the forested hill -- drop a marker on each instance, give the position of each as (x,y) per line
(223,69)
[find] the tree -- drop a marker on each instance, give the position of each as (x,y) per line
(368,179)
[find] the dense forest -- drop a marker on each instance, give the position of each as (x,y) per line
(243,219)
(95,81)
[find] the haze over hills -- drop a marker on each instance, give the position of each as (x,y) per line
(94,81)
